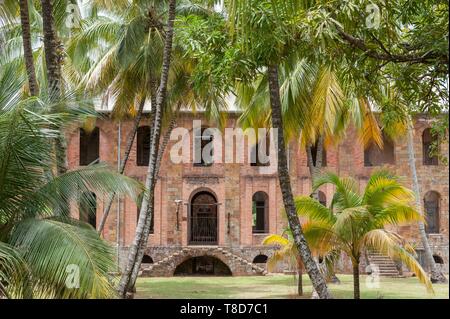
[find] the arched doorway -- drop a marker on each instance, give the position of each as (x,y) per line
(203,219)
(202,266)
(147,259)
(260,259)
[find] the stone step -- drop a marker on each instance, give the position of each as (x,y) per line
(386,266)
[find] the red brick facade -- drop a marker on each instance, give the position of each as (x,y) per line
(233,185)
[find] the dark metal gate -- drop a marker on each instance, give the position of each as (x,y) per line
(203,223)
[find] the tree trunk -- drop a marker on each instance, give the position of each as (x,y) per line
(161,150)
(137,249)
(123,163)
(300,281)
(436,275)
(27,48)
(53,60)
(51,50)
(317,280)
(356,291)
(164,143)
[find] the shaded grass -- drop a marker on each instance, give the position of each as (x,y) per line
(278,286)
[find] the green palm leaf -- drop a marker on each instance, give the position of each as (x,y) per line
(52,248)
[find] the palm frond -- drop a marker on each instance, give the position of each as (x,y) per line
(14,274)
(312,209)
(65,261)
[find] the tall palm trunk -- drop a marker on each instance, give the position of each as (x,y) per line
(137,249)
(300,278)
(53,63)
(143,244)
(436,275)
(356,289)
(51,50)
(27,48)
(123,163)
(317,280)
(164,143)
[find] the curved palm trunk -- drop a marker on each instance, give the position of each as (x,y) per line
(53,63)
(143,245)
(356,289)
(123,163)
(143,228)
(27,48)
(436,275)
(317,280)
(164,143)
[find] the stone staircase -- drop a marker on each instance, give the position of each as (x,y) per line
(385,264)
(255,268)
(167,265)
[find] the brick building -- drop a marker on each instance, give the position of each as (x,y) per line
(223,211)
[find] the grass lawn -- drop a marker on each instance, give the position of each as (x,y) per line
(276,286)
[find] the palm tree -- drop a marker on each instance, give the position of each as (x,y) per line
(45,253)
(309,91)
(286,189)
(356,221)
(137,248)
(266,33)
(124,72)
(286,253)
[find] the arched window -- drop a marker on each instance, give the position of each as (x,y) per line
(143,146)
(260,213)
(89,146)
(431,205)
(427,143)
(147,259)
(374,156)
(322,198)
(314,150)
(260,259)
(88,208)
(201,139)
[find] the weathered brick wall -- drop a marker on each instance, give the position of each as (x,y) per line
(234,185)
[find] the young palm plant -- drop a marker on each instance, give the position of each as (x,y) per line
(288,252)
(356,221)
(44,253)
